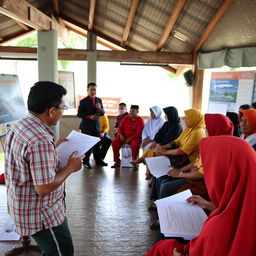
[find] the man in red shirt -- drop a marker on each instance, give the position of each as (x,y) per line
(129,132)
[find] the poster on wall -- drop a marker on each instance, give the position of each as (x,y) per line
(229,90)
(12,106)
(66,79)
(110,105)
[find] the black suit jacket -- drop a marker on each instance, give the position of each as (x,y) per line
(87,126)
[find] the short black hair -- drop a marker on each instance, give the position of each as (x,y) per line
(254,104)
(44,95)
(91,84)
(122,104)
(135,107)
(245,107)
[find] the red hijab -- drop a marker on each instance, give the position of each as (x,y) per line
(217,124)
(250,116)
(230,230)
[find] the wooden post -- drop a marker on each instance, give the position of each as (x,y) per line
(197,90)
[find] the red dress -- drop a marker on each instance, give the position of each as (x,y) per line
(230,176)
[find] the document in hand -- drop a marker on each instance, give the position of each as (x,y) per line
(158,166)
(178,218)
(76,142)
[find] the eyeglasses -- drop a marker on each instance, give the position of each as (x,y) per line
(64,107)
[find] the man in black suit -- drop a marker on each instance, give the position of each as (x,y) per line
(90,108)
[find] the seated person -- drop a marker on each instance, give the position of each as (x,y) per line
(187,147)
(122,113)
(244,107)
(231,184)
(105,140)
(235,120)
(216,125)
(152,126)
(170,131)
(248,126)
(129,132)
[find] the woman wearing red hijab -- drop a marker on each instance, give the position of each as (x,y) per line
(248,126)
(216,124)
(230,229)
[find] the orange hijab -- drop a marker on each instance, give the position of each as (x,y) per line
(250,116)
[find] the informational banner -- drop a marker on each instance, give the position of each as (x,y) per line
(12,105)
(66,79)
(229,90)
(110,104)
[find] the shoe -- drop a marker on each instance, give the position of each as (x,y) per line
(87,165)
(116,165)
(101,163)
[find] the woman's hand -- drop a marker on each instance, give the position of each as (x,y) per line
(59,141)
(153,145)
(176,253)
(160,149)
(174,173)
(198,200)
(146,142)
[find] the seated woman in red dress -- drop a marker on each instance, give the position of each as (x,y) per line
(230,176)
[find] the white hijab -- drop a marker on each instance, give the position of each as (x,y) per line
(153,125)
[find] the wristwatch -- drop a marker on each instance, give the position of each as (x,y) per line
(180,174)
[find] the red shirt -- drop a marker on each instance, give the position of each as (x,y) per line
(131,128)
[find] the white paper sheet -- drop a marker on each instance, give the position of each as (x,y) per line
(158,166)
(178,218)
(76,142)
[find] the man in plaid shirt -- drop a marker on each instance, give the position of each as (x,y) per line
(34,179)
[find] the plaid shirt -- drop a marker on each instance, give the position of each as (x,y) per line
(31,160)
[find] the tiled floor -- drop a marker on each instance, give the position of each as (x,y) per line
(107,212)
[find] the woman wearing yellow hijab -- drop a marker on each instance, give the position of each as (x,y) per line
(188,142)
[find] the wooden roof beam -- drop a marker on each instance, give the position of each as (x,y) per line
(214,22)
(23,26)
(91,14)
(114,56)
(133,9)
(170,23)
(56,8)
(24,12)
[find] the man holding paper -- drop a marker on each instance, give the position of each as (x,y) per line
(90,108)
(34,178)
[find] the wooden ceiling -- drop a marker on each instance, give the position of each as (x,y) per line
(173,26)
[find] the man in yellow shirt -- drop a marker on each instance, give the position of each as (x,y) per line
(105,142)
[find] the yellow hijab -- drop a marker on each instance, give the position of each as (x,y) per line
(190,138)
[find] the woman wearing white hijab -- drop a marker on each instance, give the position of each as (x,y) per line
(153,125)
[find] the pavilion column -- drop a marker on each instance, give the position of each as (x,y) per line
(91,58)
(48,61)
(197,89)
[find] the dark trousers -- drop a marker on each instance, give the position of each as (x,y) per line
(165,186)
(104,145)
(95,150)
(56,241)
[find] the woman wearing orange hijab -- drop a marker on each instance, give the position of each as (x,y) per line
(248,126)
(230,176)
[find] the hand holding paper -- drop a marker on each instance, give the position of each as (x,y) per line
(77,142)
